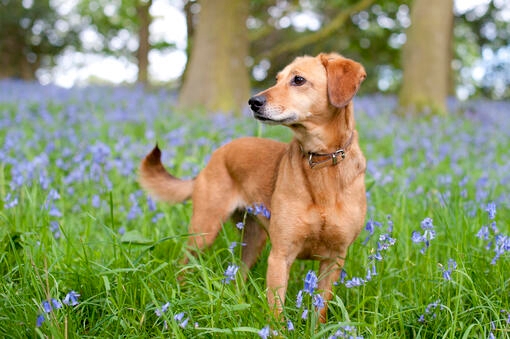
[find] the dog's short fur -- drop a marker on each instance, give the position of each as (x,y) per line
(313,186)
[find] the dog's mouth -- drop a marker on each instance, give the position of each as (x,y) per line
(269,120)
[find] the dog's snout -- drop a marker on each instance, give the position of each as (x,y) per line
(257,102)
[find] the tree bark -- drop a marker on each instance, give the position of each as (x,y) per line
(142,54)
(217,78)
(426,57)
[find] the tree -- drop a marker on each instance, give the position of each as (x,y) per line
(427,56)
(217,77)
(30,36)
(111,20)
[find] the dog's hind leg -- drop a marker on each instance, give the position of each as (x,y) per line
(213,204)
(254,239)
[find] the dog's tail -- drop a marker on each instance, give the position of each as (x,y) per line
(160,184)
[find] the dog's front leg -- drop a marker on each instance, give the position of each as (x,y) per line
(278,268)
(329,272)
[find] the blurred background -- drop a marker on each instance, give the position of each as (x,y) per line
(215,53)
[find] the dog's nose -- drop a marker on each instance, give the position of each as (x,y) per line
(257,102)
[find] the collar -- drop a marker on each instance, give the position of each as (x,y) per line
(319,160)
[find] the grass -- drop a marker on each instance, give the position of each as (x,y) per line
(73,218)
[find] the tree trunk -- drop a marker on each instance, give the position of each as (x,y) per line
(142,54)
(426,57)
(217,78)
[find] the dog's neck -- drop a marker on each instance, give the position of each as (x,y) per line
(327,138)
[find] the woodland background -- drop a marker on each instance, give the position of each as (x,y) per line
(422,50)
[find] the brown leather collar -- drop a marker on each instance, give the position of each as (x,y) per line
(319,160)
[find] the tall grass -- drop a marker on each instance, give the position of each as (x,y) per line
(73,218)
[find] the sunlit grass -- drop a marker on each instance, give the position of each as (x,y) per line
(73,218)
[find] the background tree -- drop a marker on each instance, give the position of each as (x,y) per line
(31,35)
(115,25)
(217,76)
(427,56)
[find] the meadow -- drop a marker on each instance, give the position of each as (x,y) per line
(85,253)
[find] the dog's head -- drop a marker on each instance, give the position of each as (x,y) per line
(308,89)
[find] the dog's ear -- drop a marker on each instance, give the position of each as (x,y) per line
(344,78)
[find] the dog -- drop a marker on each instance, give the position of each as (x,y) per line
(314,186)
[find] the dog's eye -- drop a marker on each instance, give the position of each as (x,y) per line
(298,81)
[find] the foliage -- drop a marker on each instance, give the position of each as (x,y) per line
(484,32)
(74,219)
(31,35)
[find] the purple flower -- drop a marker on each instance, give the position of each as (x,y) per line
(354,282)
(179,318)
(318,301)
(259,209)
(447,273)
(56,303)
(71,298)
(491,210)
(310,282)
(240,225)
(54,212)
(428,234)
(264,332)
(55,229)
(230,273)
(46,306)
(39,320)
(159,311)
(299,299)
(304,315)
(502,245)
(290,325)
(96,201)
(483,233)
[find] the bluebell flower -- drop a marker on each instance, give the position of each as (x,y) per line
(121,230)
(46,306)
(318,301)
(354,282)
(304,314)
(343,275)
(483,233)
(310,282)
(53,195)
(430,311)
(234,244)
(54,211)
(264,332)
(447,272)
(240,225)
(151,203)
(502,245)
(184,323)
(299,299)
(71,298)
(230,273)
(159,311)
(56,303)
(39,320)
(10,201)
(290,325)
(428,234)
(259,209)
(179,318)
(96,201)
(157,217)
(491,210)
(55,229)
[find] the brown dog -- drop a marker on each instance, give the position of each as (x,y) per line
(314,186)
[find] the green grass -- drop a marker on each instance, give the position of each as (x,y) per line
(416,170)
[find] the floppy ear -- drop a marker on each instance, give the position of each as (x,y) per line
(344,78)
